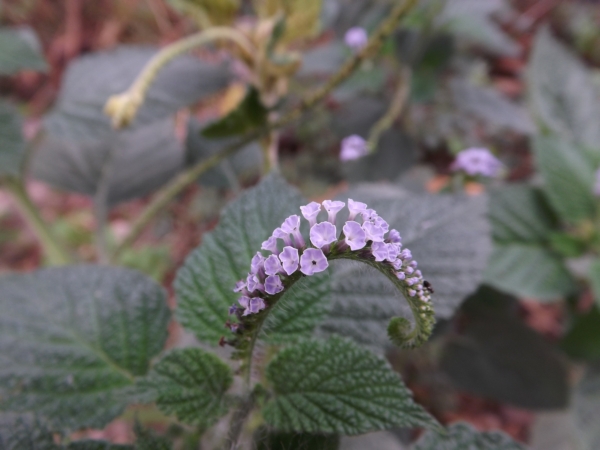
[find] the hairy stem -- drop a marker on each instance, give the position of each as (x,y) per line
(178,184)
(101,208)
(237,422)
(53,250)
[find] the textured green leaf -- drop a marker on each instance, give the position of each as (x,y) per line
(462,436)
(269,440)
(493,354)
(585,406)
(24,432)
(96,445)
(191,384)
(594,278)
(562,92)
(582,340)
(568,173)
(249,115)
(20,50)
(12,144)
(74,339)
(204,283)
(148,440)
(335,386)
(448,236)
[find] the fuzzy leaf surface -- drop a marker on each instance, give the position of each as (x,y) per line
(462,436)
(335,386)
(24,432)
(204,283)
(74,339)
(20,50)
(12,144)
(191,384)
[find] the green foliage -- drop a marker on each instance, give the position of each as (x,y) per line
(594,279)
(12,144)
(586,407)
(96,445)
(73,340)
(204,283)
(249,115)
(335,386)
(218,12)
(191,384)
(20,50)
(448,236)
(24,432)
(273,440)
(582,340)
(495,355)
(524,262)
(154,261)
(461,436)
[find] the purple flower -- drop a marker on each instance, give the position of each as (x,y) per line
(244,301)
(477,161)
(313,261)
(232,309)
(394,236)
(393,250)
(353,147)
(597,184)
(273,285)
(271,245)
(257,263)
(418,273)
(355,208)
(255,304)
(380,251)
(356,38)
(373,232)
(411,281)
(253,283)
(278,233)
(400,275)
(381,224)
(322,234)
(273,265)
(369,215)
(234,327)
(332,207)
(310,212)
(355,236)
(413,264)
(239,286)
(405,254)
(409,270)
(412,292)
(397,264)
(290,260)
(291,225)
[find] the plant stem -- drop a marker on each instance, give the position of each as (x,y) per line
(178,184)
(101,208)
(55,253)
(237,422)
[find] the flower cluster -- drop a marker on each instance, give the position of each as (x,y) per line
(356,38)
(477,161)
(364,235)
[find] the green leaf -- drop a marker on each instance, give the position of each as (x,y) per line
(567,245)
(204,283)
(462,436)
(582,341)
(448,236)
(249,115)
(562,92)
(493,354)
(594,279)
(12,144)
(586,407)
(20,50)
(335,386)
(191,384)
(73,340)
(569,175)
(148,440)
(24,432)
(96,445)
(266,440)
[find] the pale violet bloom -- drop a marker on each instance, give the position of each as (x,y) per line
(273,285)
(233,309)
(257,263)
(290,259)
(597,184)
(401,275)
(412,280)
(244,301)
(374,233)
(405,254)
(332,207)
(273,265)
(380,251)
(477,161)
(381,224)
(271,245)
(355,208)
(278,233)
(353,147)
(412,292)
(356,38)
(253,283)
(291,225)
(355,236)
(393,251)
(322,234)
(310,212)
(369,215)
(394,237)
(239,286)
(312,261)
(255,304)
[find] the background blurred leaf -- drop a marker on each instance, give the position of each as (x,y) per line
(97,445)
(20,50)
(448,236)
(24,432)
(594,279)
(322,60)
(219,12)
(204,283)
(582,340)
(462,436)
(302,16)
(586,407)
(562,93)
(73,339)
(335,386)
(12,144)
(273,440)
(495,355)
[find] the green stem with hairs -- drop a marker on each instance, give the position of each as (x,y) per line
(178,184)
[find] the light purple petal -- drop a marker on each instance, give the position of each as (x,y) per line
(273,265)
(312,261)
(244,301)
(355,208)
(353,147)
(290,259)
(239,286)
(273,285)
(356,38)
(394,236)
(253,283)
(256,265)
(373,232)
(322,234)
(332,207)
(477,161)
(271,245)
(355,236)
(380,251)
(401,275)
(291,225)
(278,233)
(310,212)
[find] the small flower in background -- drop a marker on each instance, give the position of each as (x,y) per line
(353,147)
(356,38)
(597,184)
(477,161)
